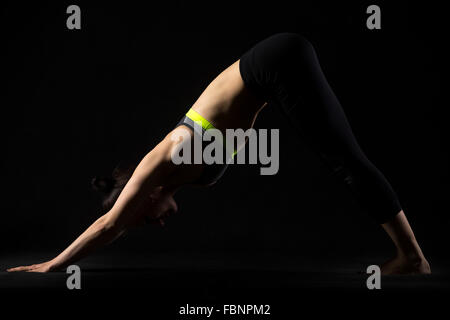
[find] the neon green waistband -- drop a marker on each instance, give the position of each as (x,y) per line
(196,117)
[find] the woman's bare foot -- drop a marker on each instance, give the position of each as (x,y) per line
(410,258)
(404,265)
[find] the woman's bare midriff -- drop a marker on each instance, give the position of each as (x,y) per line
(227,103)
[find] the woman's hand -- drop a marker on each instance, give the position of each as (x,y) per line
(41,267)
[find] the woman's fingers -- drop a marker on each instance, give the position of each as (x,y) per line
(25,268)
(16,269)
(41,267)
(12,269)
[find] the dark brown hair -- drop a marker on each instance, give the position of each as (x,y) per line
(111,186)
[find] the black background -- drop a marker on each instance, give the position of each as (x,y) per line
(78,102)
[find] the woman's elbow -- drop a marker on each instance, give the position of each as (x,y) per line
(108,226)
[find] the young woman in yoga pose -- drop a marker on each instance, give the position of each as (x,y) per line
(282,70)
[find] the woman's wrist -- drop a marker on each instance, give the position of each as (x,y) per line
(55,264)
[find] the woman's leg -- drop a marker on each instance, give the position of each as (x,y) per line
(409,258)
(293,79)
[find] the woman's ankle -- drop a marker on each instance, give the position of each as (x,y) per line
(412,256)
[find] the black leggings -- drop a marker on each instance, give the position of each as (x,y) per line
(284,70)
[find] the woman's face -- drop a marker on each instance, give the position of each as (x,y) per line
(161,205)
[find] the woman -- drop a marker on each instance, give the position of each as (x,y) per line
(282,70)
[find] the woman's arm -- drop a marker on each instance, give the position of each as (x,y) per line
(155,168)
(98,234)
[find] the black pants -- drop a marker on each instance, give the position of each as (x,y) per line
(284,70)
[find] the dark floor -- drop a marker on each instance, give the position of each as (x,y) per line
(168,281)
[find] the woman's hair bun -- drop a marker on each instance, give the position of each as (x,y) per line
(103,184)
(111,187)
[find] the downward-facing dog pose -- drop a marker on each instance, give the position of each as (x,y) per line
(282,70)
